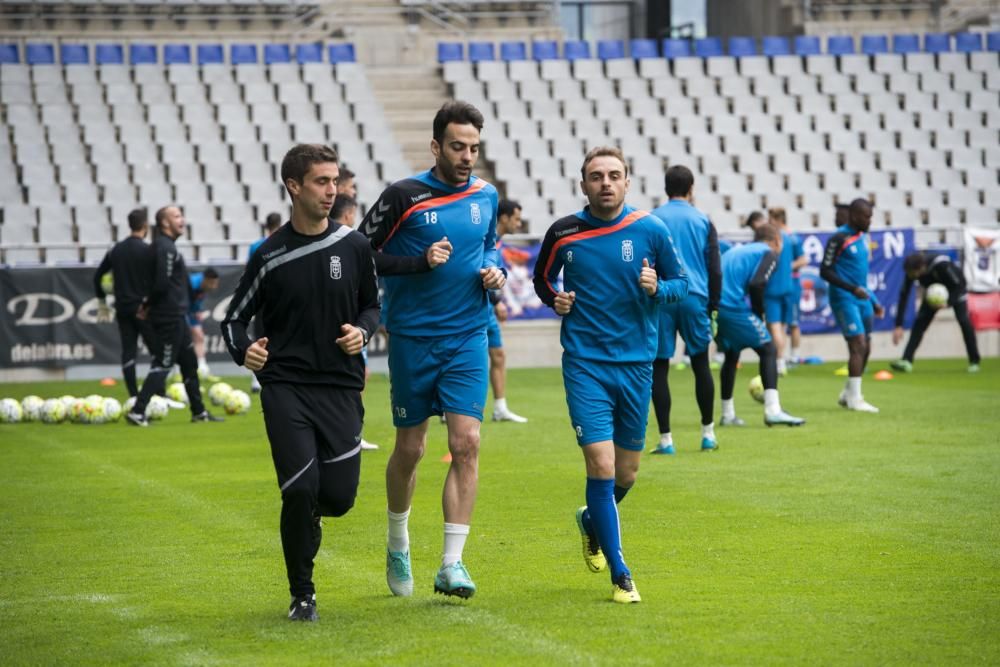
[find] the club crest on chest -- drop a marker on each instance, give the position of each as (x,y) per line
(335,268)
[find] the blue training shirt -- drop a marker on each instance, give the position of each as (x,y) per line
(697,244)
(845,265)
(780,283)
(196,298)
(797,251)
(612,319)
(253,247)
(745,272)
(408,217)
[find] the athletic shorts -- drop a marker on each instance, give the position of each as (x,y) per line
(781,308)
(689,317)
(854,317)
(310,424)
(608,401)
(797,294)
(192,320)
(431,375)
(494,338)
(739,329)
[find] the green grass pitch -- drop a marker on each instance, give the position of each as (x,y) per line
(857,539)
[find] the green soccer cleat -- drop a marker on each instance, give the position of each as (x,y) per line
(901,365)
(973,368)
(783,419)
(732,421)
(398,574)
(592,554)
(454,579)
(624,590)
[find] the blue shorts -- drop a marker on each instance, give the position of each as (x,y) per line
(493,336)
(193,320)
(739,329)
(797,294)
(689,317)
(781,308)
(608,401)
(854,317)
(430,375)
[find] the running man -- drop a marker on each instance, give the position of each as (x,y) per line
(202,283)
(508,222)
(781,304)
(619,267)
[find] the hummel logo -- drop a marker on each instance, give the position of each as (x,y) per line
(414,200)
(275,253)
(376,219)
(564,232)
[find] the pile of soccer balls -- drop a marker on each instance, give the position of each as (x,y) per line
(234,401)
(92,409)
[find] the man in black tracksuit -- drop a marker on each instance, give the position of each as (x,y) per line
(130,262)
(313,287)
(928,268)
(166,310)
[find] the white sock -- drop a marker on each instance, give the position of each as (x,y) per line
(254,382)
(708,430)
(728,408)
(454,542)
(782,369)
(854,388)
(203,365)
(399,534)
(771,404)
(795,353)
(666,439)
(500,405)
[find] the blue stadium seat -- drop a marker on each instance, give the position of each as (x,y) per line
(874,44)
(74,54)
(211,54)
(742,46)
(39,54)
(840,45)
(968,42)
(9,54)
(576,50)
(937,42)
(277,53)
(243,54)
(546,49)
(676,48)
(513,51)
(642,49)
(708,47)
(142,54)
(309,53)
(450,52)
(807,45)
(905,44)
(480,51)
(109,54)
(176,54)
(610,49)
(775,46)
(344,53)
(993,41)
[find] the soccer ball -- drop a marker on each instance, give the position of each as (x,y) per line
(756,388)
(157,408)
(31,408)
(53,411)
(174,377)
(217,393)
(67,401)
(75,413)
(112,409)
(10,411)
(93,410)
(177,392)
(129,402)
(936,296)
(237,402)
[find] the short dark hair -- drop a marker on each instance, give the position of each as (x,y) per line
(272,222)
(507,207)
(776,213)
(210,272)
(842,207)
(138,218)
(456,111)
(346,174)
(678,181)
(914,262)
(341,204)
(859,203)
(602,151)
(752,218)
(766,233)
(301,158)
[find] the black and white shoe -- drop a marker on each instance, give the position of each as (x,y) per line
(206,416)
(303,608)
(136,419)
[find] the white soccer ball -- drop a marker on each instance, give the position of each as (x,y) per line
(112,409)
(157,408)
(75,413)
(237,402)
(10,411)
(218,392)
(93,410)
(67,401)
(174,377)
(756,388)
(31,408)
(53,411)
(177,392)
(936,296)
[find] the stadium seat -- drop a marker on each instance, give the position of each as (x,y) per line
(937,42)
(774,46)
(176,54)
(708,47)
(277,53)
(9,54)
(74,54)
(39,54)
(211,54)
(904,44)
(544,50)
(309,53)
(450,51)
(839,45)
(993,41)
(676,48)
(576,49)
(481,51)
(742,46)
(142,54)
(343,53)
(610,49)
(968,42)
(641,49)
(807,45)
(513,51)
(874,44)
(243,54)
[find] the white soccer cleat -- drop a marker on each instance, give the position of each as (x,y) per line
(508,416)
(398,573)
(861,405)
(842,399)
(368,445)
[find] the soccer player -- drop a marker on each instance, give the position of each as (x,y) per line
(347,185)
(313,286)
(130,262)
(619,267)
(928,268)
(437,333)
(745,272)
(780,299)
(166,309)
(508,222)
(694,317)
(845,268)
(202,283)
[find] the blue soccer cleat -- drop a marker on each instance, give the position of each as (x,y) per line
(398,574)
(783,419)
(664,449)
(454,579)
(709,444)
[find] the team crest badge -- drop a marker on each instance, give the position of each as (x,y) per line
(476,215)
(627,253)
(335,270)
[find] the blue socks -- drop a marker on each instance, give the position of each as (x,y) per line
(602,517)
